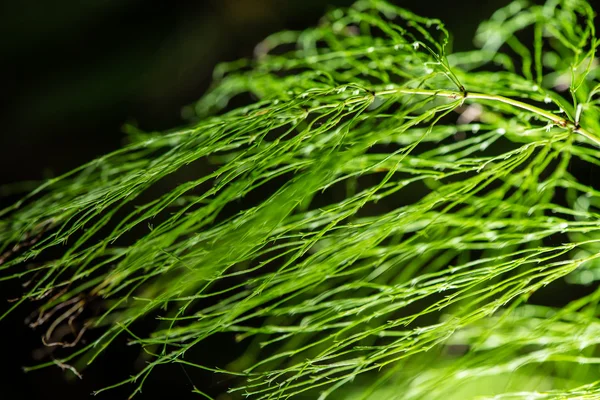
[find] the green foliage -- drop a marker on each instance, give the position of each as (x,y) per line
(372,226)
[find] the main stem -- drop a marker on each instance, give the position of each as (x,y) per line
(470,96)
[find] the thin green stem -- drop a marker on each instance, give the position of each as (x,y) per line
(470,96)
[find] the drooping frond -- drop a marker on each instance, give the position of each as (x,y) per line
(373,225)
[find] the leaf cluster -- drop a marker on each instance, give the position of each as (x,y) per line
(373,225)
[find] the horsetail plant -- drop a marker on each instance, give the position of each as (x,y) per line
(374,224)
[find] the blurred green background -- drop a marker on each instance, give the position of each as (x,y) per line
(74,72)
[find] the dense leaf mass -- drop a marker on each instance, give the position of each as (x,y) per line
(372,224)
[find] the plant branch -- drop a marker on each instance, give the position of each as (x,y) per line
(470,96)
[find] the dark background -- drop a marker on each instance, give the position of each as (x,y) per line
(74,72)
